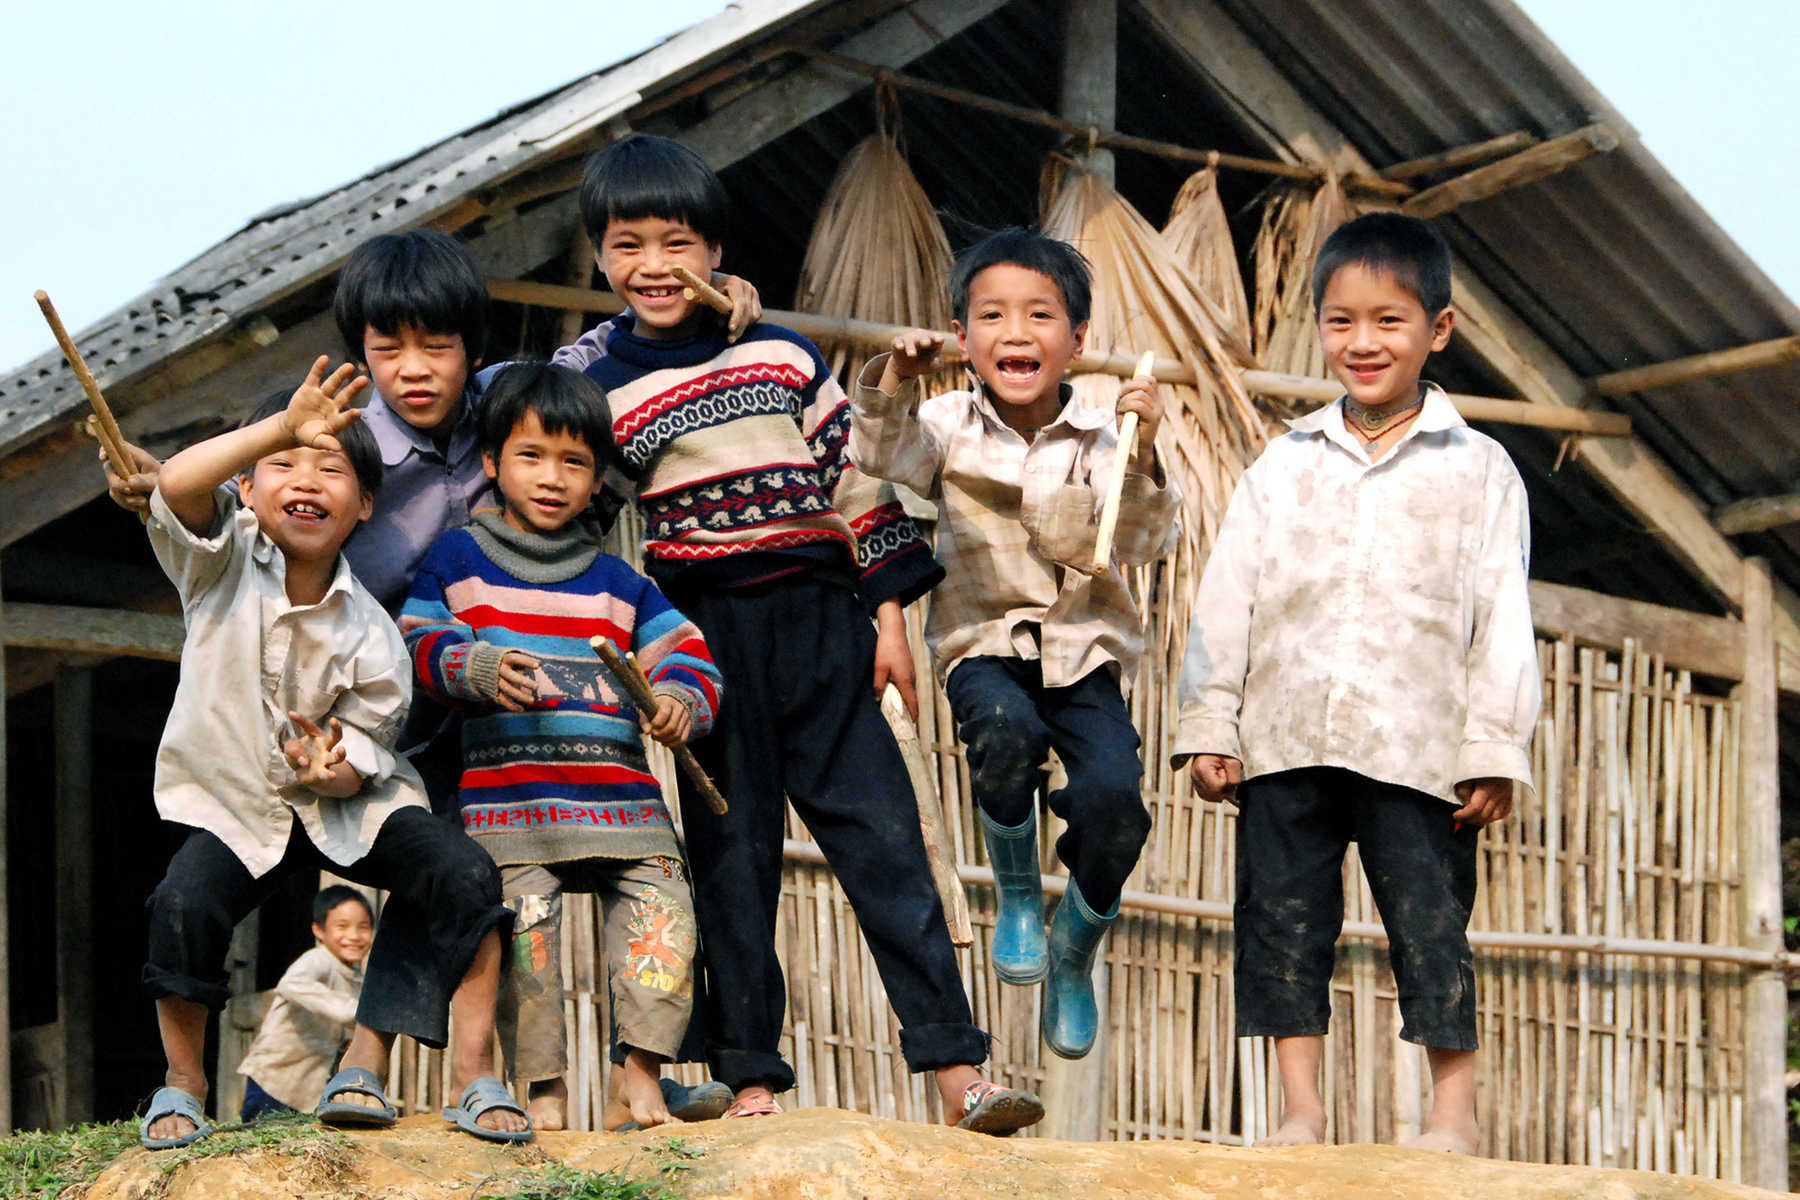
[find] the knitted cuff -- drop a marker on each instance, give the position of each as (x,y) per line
(483,669)
(688,701)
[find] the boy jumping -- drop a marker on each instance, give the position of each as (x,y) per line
(555,785)
(1033,649)
(278,752)
(760,530)
(1361,667)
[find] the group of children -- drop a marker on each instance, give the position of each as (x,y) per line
(1361,655)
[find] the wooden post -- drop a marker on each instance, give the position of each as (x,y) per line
(1759,826)
(74,724)
(240,1019)
(1090,73)
(5,943)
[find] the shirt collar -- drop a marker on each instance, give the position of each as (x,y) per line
(267,555)
(396,439)
(1077,416)
(1437,414)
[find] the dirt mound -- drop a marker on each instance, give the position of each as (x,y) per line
(825,1154)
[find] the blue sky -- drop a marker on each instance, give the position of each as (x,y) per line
(141,134)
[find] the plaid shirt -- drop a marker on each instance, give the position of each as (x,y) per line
(1017,522)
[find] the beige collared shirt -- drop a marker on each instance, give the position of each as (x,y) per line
(1372,616)
(309,1022)
(1017,522)
(248,658)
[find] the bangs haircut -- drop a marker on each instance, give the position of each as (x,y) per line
(564,400)
(1065,266)
(1410,250)
(329,898)
(648,176)
(358,443)
(421,278)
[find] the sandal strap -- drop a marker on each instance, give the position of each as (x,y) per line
(171,1101)
(354,1081)
(755,1108)
(486,1094)
(979,1091)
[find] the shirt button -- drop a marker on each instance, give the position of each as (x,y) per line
(1031,468)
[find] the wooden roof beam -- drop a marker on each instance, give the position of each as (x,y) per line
(1459,156)
(1710,365)
(1757,514)
(1527,166)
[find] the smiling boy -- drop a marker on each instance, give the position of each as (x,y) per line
(1033,649)
(761,530)
(278,753)
(1361,667)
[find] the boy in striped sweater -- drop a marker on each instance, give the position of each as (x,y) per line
(555,785)
(761,530)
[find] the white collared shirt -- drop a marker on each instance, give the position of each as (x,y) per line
(1369,615)
(250,656)
(1018,519)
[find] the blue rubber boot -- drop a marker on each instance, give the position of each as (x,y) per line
(1018,947)
(1071,1020)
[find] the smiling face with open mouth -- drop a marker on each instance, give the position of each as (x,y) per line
(635,256)
(1377,335)
(1020,340)
(308,501)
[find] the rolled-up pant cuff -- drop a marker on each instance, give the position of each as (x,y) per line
(163,982)
(934,1047)
(738,1069)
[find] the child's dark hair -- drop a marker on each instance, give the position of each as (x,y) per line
(358,443)
(421,278)
(564,400)
(648,176)
(1066,266)
(329,898)
(1411,250)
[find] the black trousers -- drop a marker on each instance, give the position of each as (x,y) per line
(1293,828)
(444,896)
(799,722)
(1008,720)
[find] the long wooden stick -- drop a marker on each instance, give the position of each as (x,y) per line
(111,440)
(696,288)
(624,667)
(938,851)
(1115,488)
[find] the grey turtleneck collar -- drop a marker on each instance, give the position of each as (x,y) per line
(534,557)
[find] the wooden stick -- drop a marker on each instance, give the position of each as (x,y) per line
(1115,488)
(1460,156)
(1698,366)
(624,667)
(931,819)
(696,288)
(111,440)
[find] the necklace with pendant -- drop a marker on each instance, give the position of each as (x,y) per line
(1371,426)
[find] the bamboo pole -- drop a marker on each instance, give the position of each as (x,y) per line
(1460,156)
(1758,513)
(1765,992)
(1527,166)
(1710,365)
(938,852)
(1115,487)
(625,669)
(1263,383)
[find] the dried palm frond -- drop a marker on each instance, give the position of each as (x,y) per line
(877,252)
(1295,224)
(1199,236)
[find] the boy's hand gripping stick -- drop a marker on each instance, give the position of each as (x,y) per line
(1115,488)
(696,288)
(625,669)
(938,852)
(102,426)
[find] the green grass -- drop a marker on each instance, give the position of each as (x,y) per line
(559,1182)
(40,1166)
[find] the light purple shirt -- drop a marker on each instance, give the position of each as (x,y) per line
(423,492)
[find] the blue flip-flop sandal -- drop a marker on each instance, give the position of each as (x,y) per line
(356,1081)
(484,1096)
(173,1102)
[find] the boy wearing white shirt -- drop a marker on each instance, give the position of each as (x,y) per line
(1361,667)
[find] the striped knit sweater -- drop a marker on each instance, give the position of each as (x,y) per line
(743,470)
(567,778)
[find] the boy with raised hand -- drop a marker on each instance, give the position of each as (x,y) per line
(1361,667)
(1031,647)
(279,753)
(763,533)
(313,1012)
(555,785)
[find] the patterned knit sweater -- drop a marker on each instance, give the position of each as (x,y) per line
(743,471)
(566,778)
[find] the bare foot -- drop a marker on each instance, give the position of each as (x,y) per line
(548,1107)
(1449,1138)
(1298,1129)
(640,1087)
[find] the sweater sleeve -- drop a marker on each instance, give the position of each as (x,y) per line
(453,666)
(893,558)
(674,657)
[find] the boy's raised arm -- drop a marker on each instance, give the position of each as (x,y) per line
(315,415)
(887,439)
